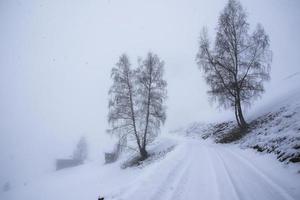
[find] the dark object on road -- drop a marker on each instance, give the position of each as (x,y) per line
(101,198)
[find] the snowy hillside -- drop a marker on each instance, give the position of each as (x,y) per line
(275,128)
(278,131)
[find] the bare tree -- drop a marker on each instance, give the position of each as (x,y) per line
(136,107)
(239,63)
(122,112)
(152,93)
(81,152)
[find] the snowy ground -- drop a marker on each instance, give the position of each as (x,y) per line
(194,169)
(184,166)
(275,128)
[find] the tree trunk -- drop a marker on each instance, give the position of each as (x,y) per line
(148,113)
(236,115)
(144,153)
(147,120)
(242,121)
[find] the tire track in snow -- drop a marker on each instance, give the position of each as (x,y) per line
(209,175)
(173,184)
(193,184)
(199,180)
(261,174)
(249,182)
(180,187)
(224,179)
(156,179)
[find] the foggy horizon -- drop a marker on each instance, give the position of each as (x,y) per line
(57,56)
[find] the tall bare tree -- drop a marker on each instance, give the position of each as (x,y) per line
(122,111)
(136,106)
(152,93)
(239,63)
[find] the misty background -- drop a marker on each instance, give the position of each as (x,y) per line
(56,58)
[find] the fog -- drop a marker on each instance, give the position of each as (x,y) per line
(56,57)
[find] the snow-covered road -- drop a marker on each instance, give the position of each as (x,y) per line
(194,169)
(198,170)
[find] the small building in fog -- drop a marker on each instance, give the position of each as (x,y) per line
(66,163)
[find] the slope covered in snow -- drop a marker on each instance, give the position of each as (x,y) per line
(277,131)
(274,128)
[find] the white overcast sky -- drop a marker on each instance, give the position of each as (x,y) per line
(56,57)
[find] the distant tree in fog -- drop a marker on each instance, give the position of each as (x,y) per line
(239,63)
(81,151)
(136,101)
